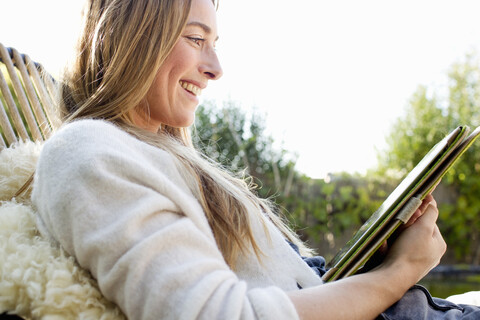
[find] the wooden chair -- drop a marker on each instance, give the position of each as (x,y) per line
(27,95)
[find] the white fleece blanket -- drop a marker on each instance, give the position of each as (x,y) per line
(37,279)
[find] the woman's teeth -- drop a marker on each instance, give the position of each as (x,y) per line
(191,88)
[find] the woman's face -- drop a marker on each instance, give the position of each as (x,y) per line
(173,96)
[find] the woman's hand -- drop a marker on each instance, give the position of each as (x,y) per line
(420,245)
(415,252)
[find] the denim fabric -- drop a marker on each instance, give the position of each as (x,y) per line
(417,303)
(317,263)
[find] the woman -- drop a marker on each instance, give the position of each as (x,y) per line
(167,233)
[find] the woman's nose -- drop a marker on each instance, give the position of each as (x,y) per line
(211,67)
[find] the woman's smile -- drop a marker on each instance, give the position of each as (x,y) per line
(191,88)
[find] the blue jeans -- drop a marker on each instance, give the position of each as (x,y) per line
(417,303)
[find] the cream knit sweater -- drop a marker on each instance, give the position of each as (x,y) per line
(123,210)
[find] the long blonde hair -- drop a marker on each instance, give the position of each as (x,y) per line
(123,44)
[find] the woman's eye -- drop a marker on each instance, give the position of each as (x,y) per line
(196,40)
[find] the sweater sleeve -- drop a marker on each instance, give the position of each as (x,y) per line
(125,217)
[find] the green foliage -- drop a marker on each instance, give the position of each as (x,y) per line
(412,136)
(238,140)
(427,119)
(325,210)
(321,210)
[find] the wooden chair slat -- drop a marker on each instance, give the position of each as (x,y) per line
(32,98)
(6,128)
(11,106)
(22,99)
(41,83)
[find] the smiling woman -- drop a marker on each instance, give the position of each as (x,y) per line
(172,98)
(166,232)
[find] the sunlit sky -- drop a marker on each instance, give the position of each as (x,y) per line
(330,76)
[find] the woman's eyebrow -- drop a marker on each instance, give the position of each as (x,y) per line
(205,28)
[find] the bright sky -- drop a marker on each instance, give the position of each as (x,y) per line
(331,76)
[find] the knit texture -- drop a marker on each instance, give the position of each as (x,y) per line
(123,209)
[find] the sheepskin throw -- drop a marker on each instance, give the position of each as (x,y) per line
(37,279)
(17,164)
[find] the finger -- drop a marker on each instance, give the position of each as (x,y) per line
(436,184)
(430,216)
(412,219)
(426,201)
(421,209)
(428,197)
(383,248)
(433,202)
